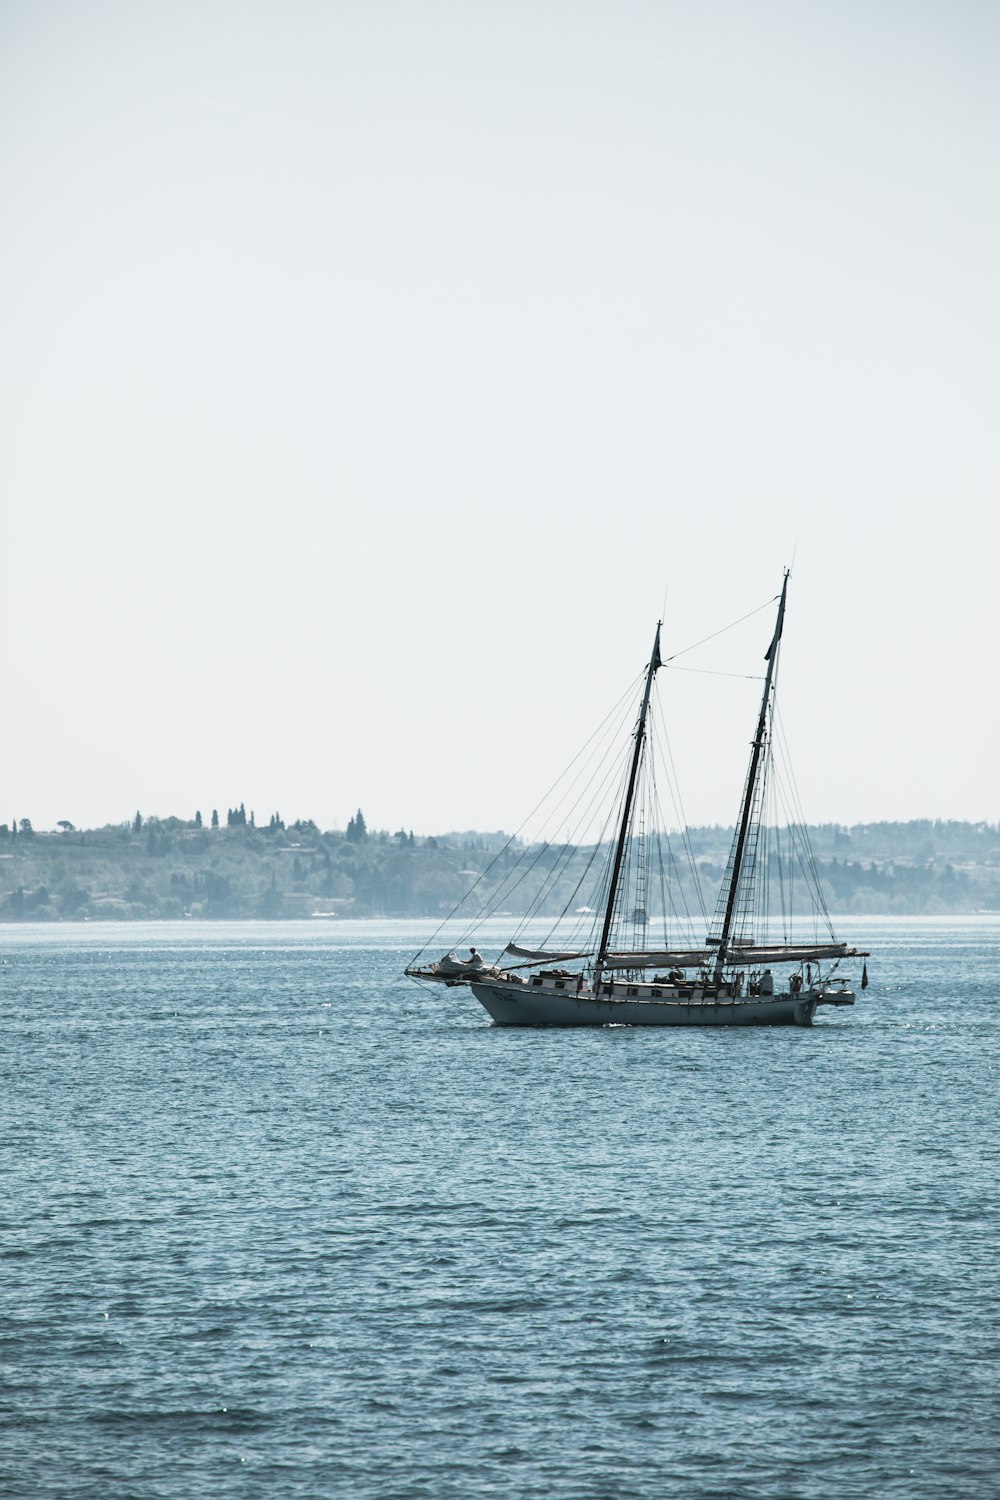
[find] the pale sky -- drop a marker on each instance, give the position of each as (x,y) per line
(374,375)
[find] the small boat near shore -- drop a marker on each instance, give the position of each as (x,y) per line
(743,974)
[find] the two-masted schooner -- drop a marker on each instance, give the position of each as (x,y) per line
(743,974)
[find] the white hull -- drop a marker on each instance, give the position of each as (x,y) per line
(513,1004)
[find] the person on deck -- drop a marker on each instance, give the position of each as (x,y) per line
(475,959)
(767,983)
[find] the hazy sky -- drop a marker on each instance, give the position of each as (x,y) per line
(375,374)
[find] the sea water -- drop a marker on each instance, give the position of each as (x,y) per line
(276,1221)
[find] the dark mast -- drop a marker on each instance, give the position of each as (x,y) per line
(640,735)
(751,787)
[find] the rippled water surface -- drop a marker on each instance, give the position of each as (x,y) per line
(276,1222)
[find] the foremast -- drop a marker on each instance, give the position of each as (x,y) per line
(750,790)
(616,869)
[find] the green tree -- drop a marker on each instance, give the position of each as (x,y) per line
(215,817)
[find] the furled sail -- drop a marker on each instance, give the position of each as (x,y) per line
(748,956)
(541,955)
(789,953)
(680,958)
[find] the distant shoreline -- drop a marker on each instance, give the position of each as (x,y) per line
(174,869)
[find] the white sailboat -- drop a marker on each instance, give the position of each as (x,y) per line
(740,976)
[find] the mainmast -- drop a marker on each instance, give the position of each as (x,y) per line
(751,788)
(640,735)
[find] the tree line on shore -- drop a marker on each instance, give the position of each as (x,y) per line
(229,866)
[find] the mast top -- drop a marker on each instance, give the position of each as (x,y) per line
(769,653)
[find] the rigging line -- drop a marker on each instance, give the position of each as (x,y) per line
(660,731)
(560,869)
(605,887)
(604,767)
(683,919)
(800,818)
(671,877)
(786,910)
(601,844)
(718,921)
(598,748)
(643,839)
(601,778)
(599,791)
(576,890)
(813,884)
(771,855)
(656,821)
(627,696)
(666,895)
(803,857)
(552,872)
(503,892)
(501,895)
(708,672)
(667,886)
(807,857)
(764,840)
(534,904)
(793,856)
(716,633)
(677,800)
(611,769)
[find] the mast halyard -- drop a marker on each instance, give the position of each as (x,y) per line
(640,735)
(751,788)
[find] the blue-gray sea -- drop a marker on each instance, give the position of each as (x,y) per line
(277,1222)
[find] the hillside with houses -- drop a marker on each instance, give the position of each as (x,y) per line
(232,867)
